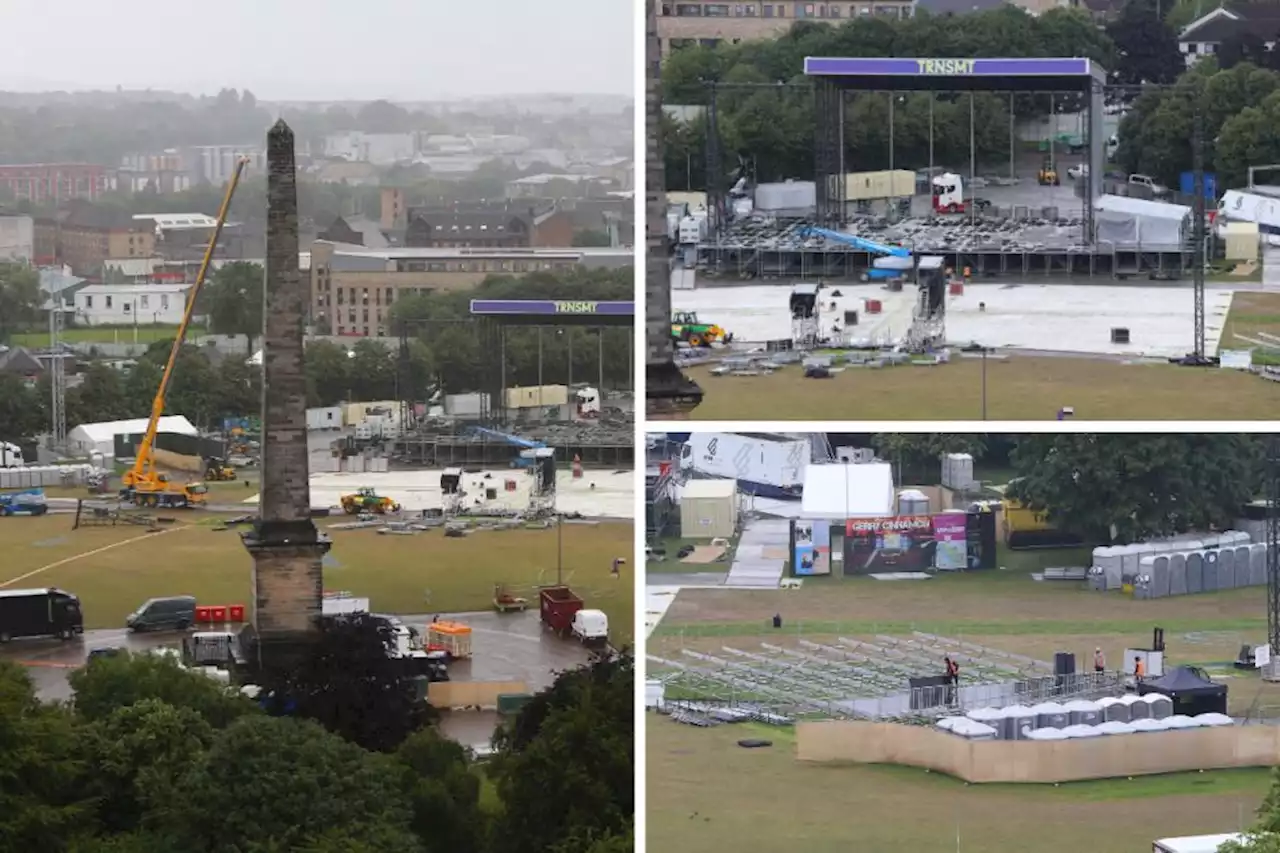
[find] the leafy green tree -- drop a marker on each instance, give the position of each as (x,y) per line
(21,410)
(234,301)
(118,681)
(771,126)
(1248,138)
(373,370)
(918,455)
(444,793)
(328,373)
(42,803)
(100,396)
(20,299)
(278,784)
(239,388)
(1123,488)
(348,684)
(565,768)
(1146,45)
(149,743)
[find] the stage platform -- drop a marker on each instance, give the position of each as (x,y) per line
(1018,315)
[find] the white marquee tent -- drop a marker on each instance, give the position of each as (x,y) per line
(101,437)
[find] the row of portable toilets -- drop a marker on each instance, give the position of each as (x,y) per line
(39,476)
(1181,567)
(1075,719)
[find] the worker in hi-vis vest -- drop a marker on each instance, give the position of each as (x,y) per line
(1138,669)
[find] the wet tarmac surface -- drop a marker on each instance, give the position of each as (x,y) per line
(505,647)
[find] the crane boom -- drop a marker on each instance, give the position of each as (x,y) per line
(142,471)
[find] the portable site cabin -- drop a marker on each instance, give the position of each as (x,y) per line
(709,509)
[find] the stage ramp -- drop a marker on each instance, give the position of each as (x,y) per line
(761,555)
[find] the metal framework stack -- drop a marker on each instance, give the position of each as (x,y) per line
(862,679)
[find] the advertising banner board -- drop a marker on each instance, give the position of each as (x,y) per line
(901,543)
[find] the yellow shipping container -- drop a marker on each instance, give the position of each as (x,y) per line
(872,186)
(535,396)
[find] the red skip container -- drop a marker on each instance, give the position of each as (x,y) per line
(873,306)
(204,615)
(218,613)
(235,613)
(957,288)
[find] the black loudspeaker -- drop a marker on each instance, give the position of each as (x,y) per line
(1119,336)
(1064,663)
(547,475)
(804,302)
(980,540)
(851,318)
(451,481)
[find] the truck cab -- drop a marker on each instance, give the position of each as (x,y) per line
(948,193)
(10,455)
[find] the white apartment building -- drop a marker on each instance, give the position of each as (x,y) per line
(216,163)
(380,149)
(131,304)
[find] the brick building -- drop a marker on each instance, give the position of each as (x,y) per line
(85,235)
(58,182)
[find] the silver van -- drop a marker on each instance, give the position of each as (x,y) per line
(176,612)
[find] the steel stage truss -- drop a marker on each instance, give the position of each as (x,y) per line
(843,678)
(496,317)
(1048,76)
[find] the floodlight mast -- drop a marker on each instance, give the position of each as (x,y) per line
(1272,468)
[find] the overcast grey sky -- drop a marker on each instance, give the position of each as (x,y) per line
(332,49)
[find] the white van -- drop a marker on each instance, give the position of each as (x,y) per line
(591,626)
(1194,843)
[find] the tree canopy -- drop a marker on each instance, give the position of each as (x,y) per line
(152,758)
(769,128)
(1123,488)
(443,353)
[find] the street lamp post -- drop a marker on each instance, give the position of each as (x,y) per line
(984,383)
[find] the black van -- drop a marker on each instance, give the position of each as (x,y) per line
(176,612)
(47,612)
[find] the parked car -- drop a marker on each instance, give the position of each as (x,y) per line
(174,613)
(1149,183)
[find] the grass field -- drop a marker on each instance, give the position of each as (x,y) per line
(1018,388)
(701,783)
(426,573)
(147,334)
(1250,314)
(706,793)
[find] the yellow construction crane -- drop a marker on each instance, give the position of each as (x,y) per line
(143,484)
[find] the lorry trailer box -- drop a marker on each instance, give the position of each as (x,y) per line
(46,612)
(557,606)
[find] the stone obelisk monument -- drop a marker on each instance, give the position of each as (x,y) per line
(286,547)
(669,393)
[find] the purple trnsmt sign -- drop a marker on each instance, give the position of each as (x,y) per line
(850,66)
